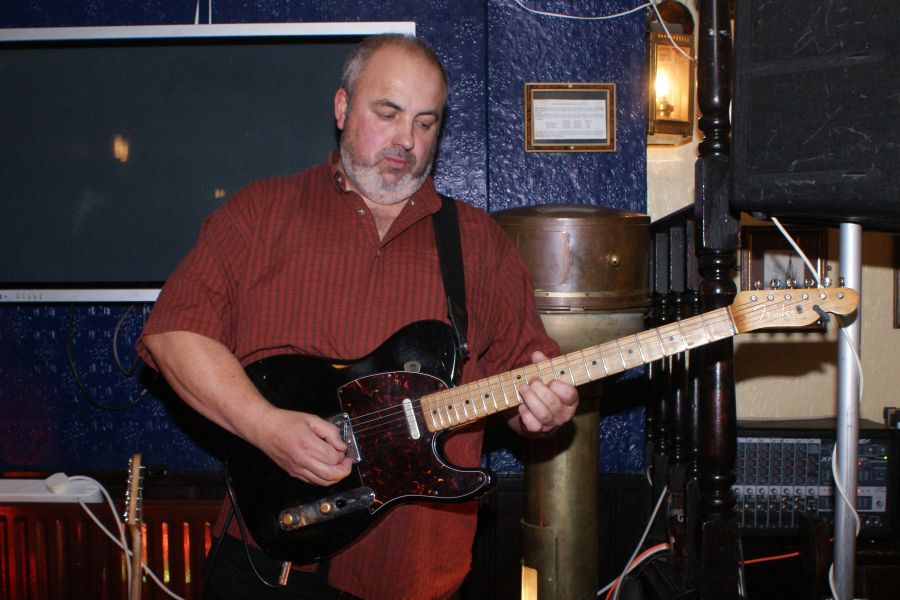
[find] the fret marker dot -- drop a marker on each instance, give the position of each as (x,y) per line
(449,407)
(594,362)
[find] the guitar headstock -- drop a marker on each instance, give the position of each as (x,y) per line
(764,309)
(134,493)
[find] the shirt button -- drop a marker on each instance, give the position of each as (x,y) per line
(361,211)
(378,253)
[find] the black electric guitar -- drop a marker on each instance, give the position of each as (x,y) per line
(392,405)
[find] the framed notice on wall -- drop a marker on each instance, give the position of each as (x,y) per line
(570,117)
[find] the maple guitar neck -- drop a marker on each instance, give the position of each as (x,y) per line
(750,311)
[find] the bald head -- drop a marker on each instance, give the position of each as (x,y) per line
(357,61)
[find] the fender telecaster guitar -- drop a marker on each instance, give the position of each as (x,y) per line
(392,405)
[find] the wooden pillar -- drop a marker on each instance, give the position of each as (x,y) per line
(718,231)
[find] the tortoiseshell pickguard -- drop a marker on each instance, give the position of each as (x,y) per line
(393,463)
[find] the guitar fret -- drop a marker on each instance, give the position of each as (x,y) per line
(490,395)
(448,408)
(603,362)
(568,370)
(659,339)
(674,346)
(502,391)
(651,345)
(587,370)
(515,389)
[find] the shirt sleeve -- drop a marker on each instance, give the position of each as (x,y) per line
(200,296)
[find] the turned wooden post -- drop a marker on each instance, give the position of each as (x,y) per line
(718,230)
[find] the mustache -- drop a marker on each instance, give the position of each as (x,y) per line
(400,153)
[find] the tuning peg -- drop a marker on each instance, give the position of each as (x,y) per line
(774,283)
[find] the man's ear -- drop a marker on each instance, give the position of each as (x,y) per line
(340,107)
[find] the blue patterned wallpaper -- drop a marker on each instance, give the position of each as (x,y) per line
(491,49)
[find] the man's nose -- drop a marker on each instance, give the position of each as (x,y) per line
(404,135)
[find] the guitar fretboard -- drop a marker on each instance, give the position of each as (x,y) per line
(476,400)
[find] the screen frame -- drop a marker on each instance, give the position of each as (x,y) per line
(105,293)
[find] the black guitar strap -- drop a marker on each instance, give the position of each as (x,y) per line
(446,233)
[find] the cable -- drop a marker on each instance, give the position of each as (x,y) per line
(122,542)
(582,18)
(211,558)
(649,552)
(127,371)
(650,3)
(753,561)
(637,548)
(240,521)
(70,329)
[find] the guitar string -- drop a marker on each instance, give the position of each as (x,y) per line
(394,417)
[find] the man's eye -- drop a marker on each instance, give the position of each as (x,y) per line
(387,116)
(426,124)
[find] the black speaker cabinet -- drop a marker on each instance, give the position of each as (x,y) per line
(816,111)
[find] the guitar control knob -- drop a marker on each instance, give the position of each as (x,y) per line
(326,507)
(289,518)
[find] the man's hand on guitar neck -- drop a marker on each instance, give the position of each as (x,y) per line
(546,406)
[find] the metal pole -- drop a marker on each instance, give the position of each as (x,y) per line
(847,418)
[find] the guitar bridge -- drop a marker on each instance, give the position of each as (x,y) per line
(342,422)
(326,509)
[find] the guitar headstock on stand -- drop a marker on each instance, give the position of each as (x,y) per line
(133,521)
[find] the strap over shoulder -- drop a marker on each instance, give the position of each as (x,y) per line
(449,247)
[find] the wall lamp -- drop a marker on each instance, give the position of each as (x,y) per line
(672,84)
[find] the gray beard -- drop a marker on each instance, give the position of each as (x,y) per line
(366,179)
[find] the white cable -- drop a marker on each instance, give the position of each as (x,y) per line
(650,3)
(581,18)
(797,249)
(637,548)
(197,13)
(122,543)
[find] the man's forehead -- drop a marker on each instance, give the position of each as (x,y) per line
(392,61)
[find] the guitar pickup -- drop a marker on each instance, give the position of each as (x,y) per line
(326,509)
(342,422)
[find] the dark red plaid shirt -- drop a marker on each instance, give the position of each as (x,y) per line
(294,264)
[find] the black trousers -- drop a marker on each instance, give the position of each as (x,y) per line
(229,576)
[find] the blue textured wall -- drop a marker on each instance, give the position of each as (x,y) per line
(491,48)
(524,47)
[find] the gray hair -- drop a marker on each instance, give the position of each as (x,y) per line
(356,62)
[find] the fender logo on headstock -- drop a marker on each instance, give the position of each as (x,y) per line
(780,313)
